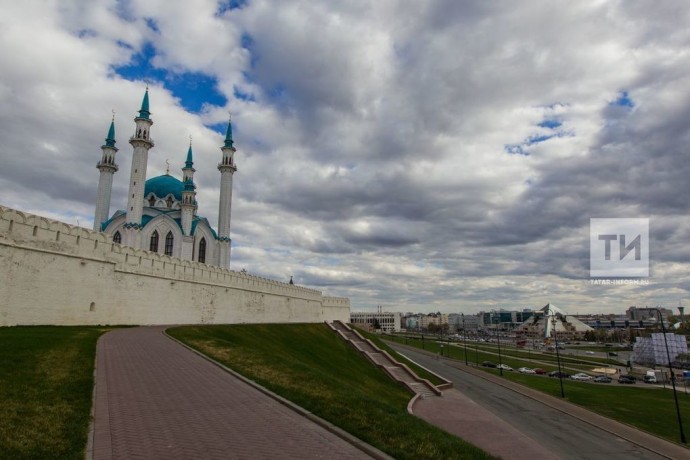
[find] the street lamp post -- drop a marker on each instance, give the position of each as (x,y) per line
(464,336)
(558,355)
(498,340)
(673,377)
(476,352)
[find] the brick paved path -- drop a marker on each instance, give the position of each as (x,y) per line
(157,400)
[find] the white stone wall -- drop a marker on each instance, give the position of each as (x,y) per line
(54,273)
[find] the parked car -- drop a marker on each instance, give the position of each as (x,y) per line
(562,375)
(602,379)
(526,370)
(626,379)
(589,352)
(489,364)
(613,353)
(581,376)
(505,367)
(650,379)
(539,371)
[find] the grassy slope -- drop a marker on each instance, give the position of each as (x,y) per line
(421,372)
(309,365)
(46,383)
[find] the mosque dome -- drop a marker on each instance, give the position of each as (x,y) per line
(161,186)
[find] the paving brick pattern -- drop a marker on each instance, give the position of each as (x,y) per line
(157,400)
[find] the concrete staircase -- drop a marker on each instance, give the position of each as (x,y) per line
(380,358)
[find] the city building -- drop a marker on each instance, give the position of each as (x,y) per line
(638,314)
(504,319)
(385,321)
(437,319)
(412,322)
(458,322)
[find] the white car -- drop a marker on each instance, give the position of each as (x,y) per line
(589,352)
(505,367)
(581,376)
(526,370)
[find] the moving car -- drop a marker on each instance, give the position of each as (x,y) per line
(526,370)
(602,379)
(489,364)
(581,376)
(539,371)
(589,352)
(562,375)
(626,379)
(505,367)
(650,379)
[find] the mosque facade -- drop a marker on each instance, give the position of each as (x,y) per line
(161,214)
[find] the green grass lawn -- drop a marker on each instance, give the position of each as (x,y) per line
(313,367)
(46,385)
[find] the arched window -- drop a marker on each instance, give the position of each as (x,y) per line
(169,201)
(153,246)
(117,238)
(202,251)
(152,201)
(168,244)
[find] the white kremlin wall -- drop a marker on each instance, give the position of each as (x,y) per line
(59,274)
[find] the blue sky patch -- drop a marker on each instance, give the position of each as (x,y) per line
(230,5)
(551,124)
(152,25)
(624,100)
(515,149)
(194,89)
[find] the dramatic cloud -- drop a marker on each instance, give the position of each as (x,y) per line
(421,156)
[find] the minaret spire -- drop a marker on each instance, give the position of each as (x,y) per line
(144,111)
(142,142)
(227,168)
(188,206)
(107,167)
(228,134)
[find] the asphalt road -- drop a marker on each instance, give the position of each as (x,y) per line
(568,437)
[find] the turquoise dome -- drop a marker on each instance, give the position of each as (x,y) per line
(161,186)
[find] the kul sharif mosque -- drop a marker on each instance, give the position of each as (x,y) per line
(161,214)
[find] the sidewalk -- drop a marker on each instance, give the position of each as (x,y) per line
(155,399)
(459,415)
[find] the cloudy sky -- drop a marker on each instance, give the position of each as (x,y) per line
(418,155)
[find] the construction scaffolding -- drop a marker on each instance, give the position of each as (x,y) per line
(652,350)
